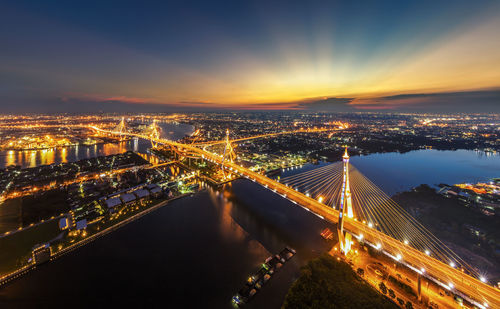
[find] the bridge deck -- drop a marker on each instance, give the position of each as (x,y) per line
(472,287)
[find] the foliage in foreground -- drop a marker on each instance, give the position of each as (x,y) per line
(327,283)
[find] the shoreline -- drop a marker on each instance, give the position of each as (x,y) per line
(25,269)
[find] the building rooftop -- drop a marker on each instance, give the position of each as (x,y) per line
(113,202)
(141,193)
(82,224)
(127,197)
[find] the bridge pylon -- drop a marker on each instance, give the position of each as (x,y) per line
(345,208)
(229,154)
(154,134)
(121,129)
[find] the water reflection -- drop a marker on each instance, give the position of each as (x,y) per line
(64,155)
(212,240)
(394,172)
(32,158)
(11,159)
(150,158)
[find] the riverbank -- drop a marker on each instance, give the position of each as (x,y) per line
(466,230)
(219,236)
(327,283)
(90,238)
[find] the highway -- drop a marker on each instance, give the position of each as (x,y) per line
(308,130)
(453,279)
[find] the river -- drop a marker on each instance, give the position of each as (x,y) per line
(32,158)
(194,252)
(397,172)
(198,251)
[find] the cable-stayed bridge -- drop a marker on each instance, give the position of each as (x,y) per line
(371,206)
(339,193)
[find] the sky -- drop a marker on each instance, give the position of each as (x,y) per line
(92,56)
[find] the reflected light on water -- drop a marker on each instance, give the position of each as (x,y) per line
(11,159)
(64,155)
(33,158)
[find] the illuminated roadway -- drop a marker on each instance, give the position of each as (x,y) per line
(308,130)
(451,278)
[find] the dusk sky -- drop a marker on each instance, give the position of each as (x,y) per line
(86,56)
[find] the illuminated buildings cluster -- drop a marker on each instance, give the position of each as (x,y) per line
(483,196)
(35,141)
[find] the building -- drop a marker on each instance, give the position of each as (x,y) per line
(113,202)
(81,224)
(155,190)
(64,223)
(128,199)
(141,194)
(41,253)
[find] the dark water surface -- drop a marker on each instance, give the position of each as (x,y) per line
(194,252)
(198,251)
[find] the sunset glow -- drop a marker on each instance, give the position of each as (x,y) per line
(250,56)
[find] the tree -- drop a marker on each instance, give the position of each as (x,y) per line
(327,283)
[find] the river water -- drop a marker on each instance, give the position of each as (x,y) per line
(32,158)
(198,251)
(194,252)
(398,172)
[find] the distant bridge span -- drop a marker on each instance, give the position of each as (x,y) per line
(482,294)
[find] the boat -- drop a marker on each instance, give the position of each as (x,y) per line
(257,281)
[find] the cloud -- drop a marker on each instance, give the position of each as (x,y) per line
(469,101)
(104,98)
(485,101)
(327,104)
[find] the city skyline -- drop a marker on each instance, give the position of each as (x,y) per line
(162,57)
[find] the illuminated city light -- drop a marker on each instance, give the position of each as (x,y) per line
(257,175)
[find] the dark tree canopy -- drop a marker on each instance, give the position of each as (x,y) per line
(326,283)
